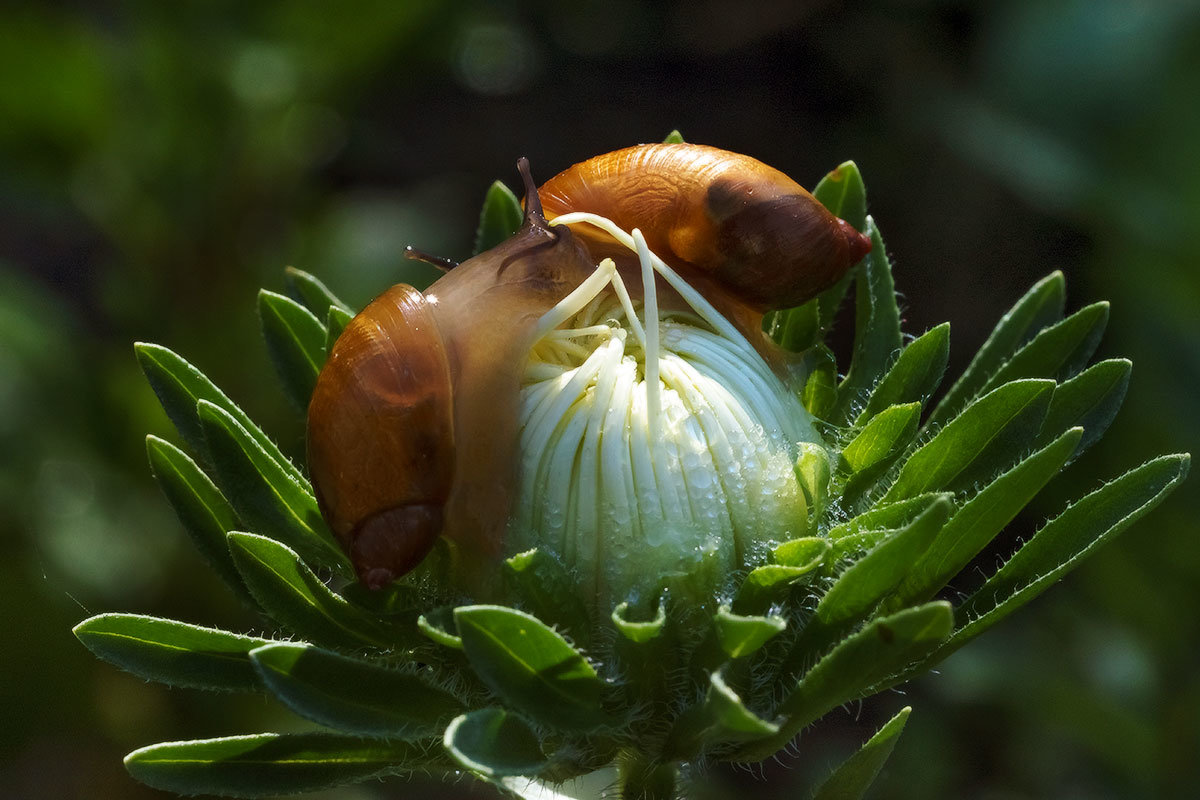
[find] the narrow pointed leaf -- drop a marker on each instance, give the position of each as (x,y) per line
(985,515)
(878,572)
(296,343)
(352,695)
(336,321)
(843,192)
(982,440)
(494,743)
(741,636)
(1059,351)
(813,472)
(795,329)
(500,218)
(265,497)
(549,593)
(856,666)
(875,449)
(311,292)
(205,513)
(267,764)
(173,652)
(297,599)
(530,666)
(1042,305)
(819,395)
(180,387)
(1090,400)
(770,583)
(915,375)
(876,325)
(1057,548)
(674,137)
(888,515)
(807,552)
(852,779)
(721,718)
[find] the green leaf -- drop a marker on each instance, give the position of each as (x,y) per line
(985,515)
(852,779)
(865,582)
(741,636)
(205,513)
(794,329)
(819,395)
(1064,541)
(547,590)
(889,515)
(500,218)
(722,717)
(300,601)
(915,375)
(1059,351)
(353,695)
(1090,400)
(855,667)
(271,763)
(265,497)
(813,473)
(296,343)
(876,325)
(982,440)
(674,137)
(530,666)
(873,451)
(172,652)
(807,552)
(180,387)
(639,632)
(1042,305)
(336,321)
(494,743)
(311,292)
(843,192)
(771,582)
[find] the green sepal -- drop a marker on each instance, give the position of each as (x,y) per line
(205,513)
(844,194)
(771,582)
(438,626)
(887,516)
(982,440)
(180,387)
(265,497)
(495,743)
(915,375)
(300,601)
(981,518)
(819,394)
(674,137)
(807,552)
(499,219)
(268,764)
(871,577)
(531,666)
(876,326)
(794,329)
(1042,305)
(312,293)
(296,343)
(1090,400)
(876,447)
(855,667)
(549,593)
(854,776)
(741,636)
(352,695)
(813,471)
(722,717)
(336,321)
(173,652)
(639,632)
(1059,351)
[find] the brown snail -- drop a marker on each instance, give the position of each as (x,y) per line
(400,453)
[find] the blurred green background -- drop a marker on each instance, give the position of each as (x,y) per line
(161,161)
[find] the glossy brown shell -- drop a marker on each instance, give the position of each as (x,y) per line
(714,213)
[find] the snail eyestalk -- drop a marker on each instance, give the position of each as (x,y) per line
(656,445)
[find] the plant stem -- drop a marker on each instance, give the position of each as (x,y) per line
(643,778)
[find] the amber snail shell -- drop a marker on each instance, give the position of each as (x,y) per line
(400,453)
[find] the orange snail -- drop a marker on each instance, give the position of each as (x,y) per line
(391,442)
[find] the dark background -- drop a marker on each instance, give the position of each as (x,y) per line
(161,161)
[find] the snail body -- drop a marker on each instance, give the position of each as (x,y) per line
(412,427)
